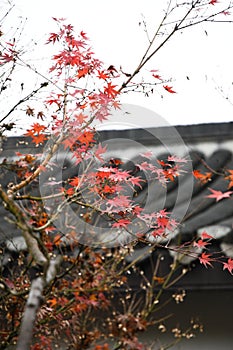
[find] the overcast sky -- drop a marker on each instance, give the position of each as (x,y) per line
(199,60)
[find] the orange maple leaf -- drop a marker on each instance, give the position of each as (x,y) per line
(230,177)
(36,133)
(203,178)
(86,138)
(82,72)
(57,240)
(52,302)
(37,128)
(160,280)
(37,139)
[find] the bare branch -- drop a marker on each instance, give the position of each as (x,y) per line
(27,230)
(26,98)
(35,299)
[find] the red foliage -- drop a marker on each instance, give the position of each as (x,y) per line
(169,89)
(228,265)
(88,279)
(230,178)
(205,259)
(203,178)
(218,195)
(213,2)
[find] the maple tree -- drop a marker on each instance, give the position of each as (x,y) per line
(78,230)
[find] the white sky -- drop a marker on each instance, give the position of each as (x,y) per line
(117,39)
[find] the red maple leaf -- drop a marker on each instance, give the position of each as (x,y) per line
(109,189)
(74,181)
(84,35)
(66,58)
(110,90)
(53,38)
(226,13)
(102,75)
(144,166)
(176,159)
(70,191)
(103,173)
(135,181)
(157,76)
(120,175)
(205,235)
(218,195)
(100,151)
(169,89)
(81,118)
(213,2)
(5,58)
(121,223)
(228,265)
(54,100)
(162,222)
(137,210)
(205,259)
(200,243)
(121,203)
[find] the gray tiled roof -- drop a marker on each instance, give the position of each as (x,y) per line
(208,146)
